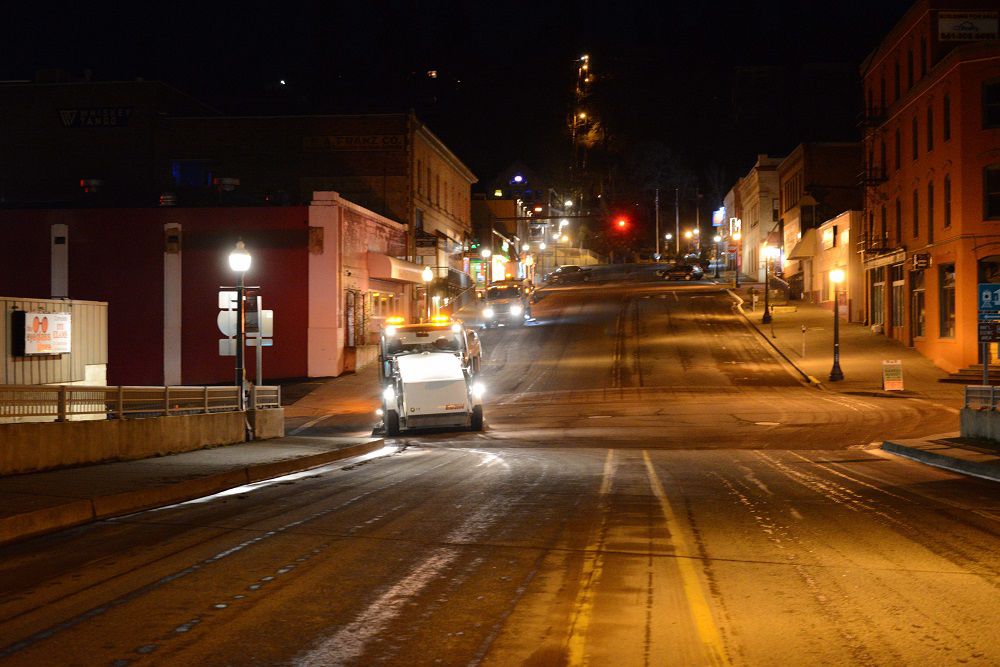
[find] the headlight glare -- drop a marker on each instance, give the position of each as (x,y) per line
(478,389)
(389,394)
(488,313)
(516,310)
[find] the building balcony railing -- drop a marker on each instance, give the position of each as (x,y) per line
(873,243)
(871,117)
(873,175)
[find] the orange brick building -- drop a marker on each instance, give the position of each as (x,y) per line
(932,177)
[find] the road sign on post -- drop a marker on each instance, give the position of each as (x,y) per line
(988,306)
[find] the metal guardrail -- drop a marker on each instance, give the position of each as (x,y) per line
(61,402)
(979,397)
(265,396)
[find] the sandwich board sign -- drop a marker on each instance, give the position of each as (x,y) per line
(892,374)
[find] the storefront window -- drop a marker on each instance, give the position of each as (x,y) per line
(898,296)
(946,300)
(918,305)
(877,315)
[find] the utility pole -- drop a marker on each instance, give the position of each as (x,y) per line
(697,217)
(657,224)
(677,220)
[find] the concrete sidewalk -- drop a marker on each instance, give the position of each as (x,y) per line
(44,502)
(861,356)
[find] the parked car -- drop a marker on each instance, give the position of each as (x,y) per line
(567,273)
(683,272)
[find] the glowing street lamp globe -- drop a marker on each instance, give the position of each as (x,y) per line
(239,259)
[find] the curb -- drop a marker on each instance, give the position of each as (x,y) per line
(805,377)
(88,510)
(982,470)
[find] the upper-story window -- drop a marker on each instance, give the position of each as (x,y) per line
(923,56)
(991,103)
(930,128)
(930,212)
(947,200)
(420,178)
(909,69)
(916,137)
(899,221)
(881,93)
(895,81)
(946,118)
(899,150)
(991,192)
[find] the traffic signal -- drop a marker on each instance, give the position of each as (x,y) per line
(621,223)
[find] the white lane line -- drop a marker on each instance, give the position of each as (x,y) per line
(348,644)
(309,424)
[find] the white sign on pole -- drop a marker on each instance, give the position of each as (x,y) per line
(227,299)
(265,326)
(266,342)
(227,347)
(227,322)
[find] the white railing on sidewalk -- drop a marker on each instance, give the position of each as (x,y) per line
(978,397)
(62,402)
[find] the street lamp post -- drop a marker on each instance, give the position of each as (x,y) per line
(489,268)
(769,253)
(718,253)
(737,236)
(428,275)
(239,261)
(836,277)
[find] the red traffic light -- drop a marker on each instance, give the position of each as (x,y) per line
(621,223)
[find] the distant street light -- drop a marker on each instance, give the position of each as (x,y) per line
(836,277)
(568,203)
(428,275)
(718,253)
(739,252)
(486,252)
(770,252)
(239,261)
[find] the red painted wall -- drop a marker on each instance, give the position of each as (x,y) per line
(277,239)
(113,257)
(116,255)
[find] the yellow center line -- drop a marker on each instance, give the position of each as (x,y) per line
(590,574)
(701,614)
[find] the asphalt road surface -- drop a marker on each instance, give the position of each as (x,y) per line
(653,488)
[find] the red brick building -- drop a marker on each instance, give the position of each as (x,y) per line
(932,176)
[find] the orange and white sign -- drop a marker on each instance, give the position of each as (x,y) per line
(47,333)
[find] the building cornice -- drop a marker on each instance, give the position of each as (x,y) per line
(421,130)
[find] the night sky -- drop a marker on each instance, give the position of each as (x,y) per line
(667,71)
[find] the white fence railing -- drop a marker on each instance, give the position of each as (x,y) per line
(980,397)
(62,402)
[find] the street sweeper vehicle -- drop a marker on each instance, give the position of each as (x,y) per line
(428,374)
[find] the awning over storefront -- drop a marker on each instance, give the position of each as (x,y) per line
(384,267)
(806,247)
